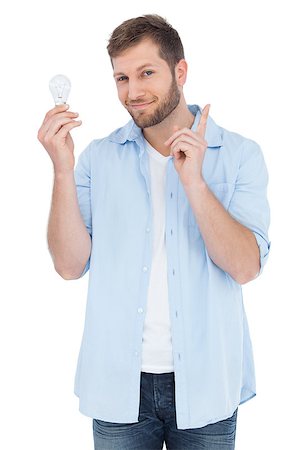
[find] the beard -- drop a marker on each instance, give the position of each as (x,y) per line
(163,110)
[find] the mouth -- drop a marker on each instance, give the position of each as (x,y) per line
(139,106)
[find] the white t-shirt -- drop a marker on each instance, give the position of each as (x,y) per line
(157,355)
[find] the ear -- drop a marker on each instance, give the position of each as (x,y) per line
(181,72)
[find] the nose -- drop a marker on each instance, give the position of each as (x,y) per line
(135,90)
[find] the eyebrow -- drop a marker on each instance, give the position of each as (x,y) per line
(138,69)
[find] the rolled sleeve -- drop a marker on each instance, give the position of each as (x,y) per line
(87,266)
(249,204)
(82,176)
(264,249)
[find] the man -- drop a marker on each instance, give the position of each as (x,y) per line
(169,213)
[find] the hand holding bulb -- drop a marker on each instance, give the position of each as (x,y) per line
(54,133)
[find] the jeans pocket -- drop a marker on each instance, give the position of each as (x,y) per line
(104,428)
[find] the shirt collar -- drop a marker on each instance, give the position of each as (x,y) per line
(131,132)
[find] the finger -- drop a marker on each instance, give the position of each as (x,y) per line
(185,138)
(201,128)
(56,124)
(47,125)
(183,131)
(55,110)
(70,114)
(66,128)
(181,147)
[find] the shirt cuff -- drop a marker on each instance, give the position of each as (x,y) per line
(264,249)
(87,266)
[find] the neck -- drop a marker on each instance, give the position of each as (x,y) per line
(158,134)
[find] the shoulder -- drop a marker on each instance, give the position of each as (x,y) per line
(106,143)
(237,140)
(112,141)
(238,146)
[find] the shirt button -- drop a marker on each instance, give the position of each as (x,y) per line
(148,229)
(145,268)
(136,353)
(140,310)
(171,231)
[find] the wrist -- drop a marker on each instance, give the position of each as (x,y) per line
(198,184)
(63,173)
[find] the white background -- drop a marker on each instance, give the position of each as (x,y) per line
(242,59)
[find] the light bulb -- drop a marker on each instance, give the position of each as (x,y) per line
(60,87)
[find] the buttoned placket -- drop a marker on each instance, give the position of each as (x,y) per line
(174,289)
(147,257)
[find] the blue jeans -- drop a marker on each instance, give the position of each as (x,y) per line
(157,424)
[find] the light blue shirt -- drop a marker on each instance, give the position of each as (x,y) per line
(213,361)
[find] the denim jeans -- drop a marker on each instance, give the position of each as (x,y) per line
(157,424)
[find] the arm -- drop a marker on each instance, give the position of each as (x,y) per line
(235,239)
(230,245)
(68,239)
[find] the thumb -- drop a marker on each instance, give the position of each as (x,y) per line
(175,128)
(171,138)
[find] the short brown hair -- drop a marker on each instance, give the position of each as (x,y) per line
(152,26)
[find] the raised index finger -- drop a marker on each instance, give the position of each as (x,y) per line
(201,128)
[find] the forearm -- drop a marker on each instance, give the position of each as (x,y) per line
(230,245)
(68,239)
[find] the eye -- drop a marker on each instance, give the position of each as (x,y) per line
(148,73)
(122,78)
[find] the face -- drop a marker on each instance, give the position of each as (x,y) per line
(146,86)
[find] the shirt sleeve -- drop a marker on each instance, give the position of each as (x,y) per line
(82,176)
(249,204)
